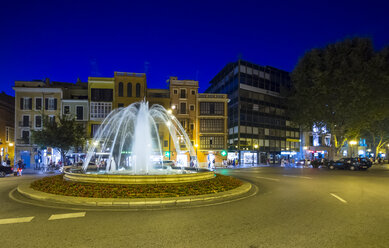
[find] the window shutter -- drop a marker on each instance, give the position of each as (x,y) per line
(46,103)
(30,103)
(21,103)
(55,103)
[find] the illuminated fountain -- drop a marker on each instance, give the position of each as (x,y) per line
(128,143)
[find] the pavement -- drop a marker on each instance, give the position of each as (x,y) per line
(294,207)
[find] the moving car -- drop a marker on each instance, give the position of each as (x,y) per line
(5,170)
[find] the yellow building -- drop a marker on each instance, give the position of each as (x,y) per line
(101,98)
(7,141)
(129,88)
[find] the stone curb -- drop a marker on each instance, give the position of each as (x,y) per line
(28,192)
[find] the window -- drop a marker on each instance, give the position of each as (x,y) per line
(38,103)
(100,110)
(26,103)
(191,126)
(38,121)
(79,113)
(129,89)
(137,90)
(191,107)
(211,142)
(175,92)
(120,105)
(51,119)
(193,92)
(211,108)
(183,123)
(183,108)
(26,121)
(183,93)
(66,110)
(51,103)
(94,129)
(7,132)
(120,89)
(101,95)
(25,135)
(212,125)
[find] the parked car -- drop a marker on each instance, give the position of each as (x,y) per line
(350,164)
(5,170)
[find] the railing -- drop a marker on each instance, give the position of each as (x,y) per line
(24,124)
(131,74)
(206,95)
(24,141)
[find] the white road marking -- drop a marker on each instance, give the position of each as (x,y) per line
(298,176)
(268,178)
(339,198)
(16,220)
(66,216)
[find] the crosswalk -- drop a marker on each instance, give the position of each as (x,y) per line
(52,217)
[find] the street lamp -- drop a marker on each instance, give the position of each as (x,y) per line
(352,142)
(11,144)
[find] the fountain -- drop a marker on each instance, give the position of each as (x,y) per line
(127,149)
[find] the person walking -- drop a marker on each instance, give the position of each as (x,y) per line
(20,167)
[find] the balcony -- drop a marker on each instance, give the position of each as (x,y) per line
(23,141)
(206,95)
(24,123)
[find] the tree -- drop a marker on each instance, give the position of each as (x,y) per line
(341,87)
(377,134)
(62,134)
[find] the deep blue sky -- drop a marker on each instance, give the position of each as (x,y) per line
(191,40)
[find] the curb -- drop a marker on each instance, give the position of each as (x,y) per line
(28,192)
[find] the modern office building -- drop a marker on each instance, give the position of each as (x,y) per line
(7,120)
(258,128)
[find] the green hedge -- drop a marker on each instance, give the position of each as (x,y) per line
(57,185)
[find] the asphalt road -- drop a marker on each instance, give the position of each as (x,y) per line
(293,208)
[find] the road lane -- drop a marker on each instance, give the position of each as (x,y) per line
(292,211)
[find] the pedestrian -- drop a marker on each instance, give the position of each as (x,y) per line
(20,167)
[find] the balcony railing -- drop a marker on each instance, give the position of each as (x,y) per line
(24,123)
(23,141)
(206,95)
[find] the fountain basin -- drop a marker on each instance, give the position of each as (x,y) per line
(192,176)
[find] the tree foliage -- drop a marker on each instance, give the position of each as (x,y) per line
(342,87)
(63,134)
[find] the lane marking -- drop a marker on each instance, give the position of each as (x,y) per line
(268,178)
(66,216)
(16,220)
(298,176)
(339,198)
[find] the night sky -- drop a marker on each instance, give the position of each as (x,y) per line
(64,40)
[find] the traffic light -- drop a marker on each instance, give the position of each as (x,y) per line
(223,153)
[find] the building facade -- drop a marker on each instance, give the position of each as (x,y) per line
(258,128)
(7,122)
(33,99)
(203,116)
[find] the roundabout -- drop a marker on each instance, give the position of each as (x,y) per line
(27,194)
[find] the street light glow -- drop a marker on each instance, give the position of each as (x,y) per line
(11,144)
(196,145)
(255,146)
(169,111)
(353,142)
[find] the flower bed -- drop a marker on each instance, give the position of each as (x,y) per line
(57,185)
